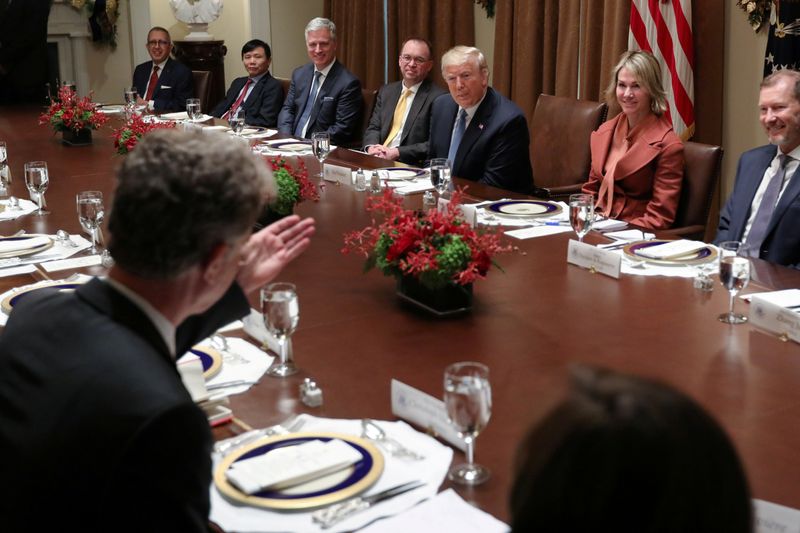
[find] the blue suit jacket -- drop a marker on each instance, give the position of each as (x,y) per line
(495,146)
(337,109)
(262,105)
(782,243)
(175,85)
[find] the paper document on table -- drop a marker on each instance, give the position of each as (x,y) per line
(774,518)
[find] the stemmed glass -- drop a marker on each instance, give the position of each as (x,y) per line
(440,175)
(5,172)
(236,122)
(468,399)
(281,315)
(90,213)
(130,101)
(734,274)
(581,213)
(321,146)
(37,179)
(193,110)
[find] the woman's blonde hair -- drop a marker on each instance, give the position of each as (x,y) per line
(645,68)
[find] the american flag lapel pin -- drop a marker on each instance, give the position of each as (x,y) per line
(480,126)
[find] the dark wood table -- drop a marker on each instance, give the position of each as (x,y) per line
(529,325)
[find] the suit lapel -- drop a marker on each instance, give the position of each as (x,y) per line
(476,126)
(393,96)
(787,198)
(643,151)
(599,145)
(327,85)
(419,100)
(755,173)
(301,91)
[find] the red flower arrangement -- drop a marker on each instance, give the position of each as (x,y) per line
(126,137)
(437,248)
(68,112)
(293,185)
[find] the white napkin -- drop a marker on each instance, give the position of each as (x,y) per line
(630,235)
(180,115)
(447,511)
(415,187)
(773,518)
(22,244)
(291,465)
(537,231)
(26,207)
(253,325)
(431,470)
(671,249)
(609,224)
(58,251)
(190,367)
(245,363)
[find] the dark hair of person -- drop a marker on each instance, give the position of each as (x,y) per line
(426,42)
(625,454)
(252,44)
(179,195)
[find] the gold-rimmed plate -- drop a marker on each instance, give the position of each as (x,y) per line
(210,358)
(25,245)
(320,492)
(703,255)
(290,146)
(524,208)
(13,299)
(402,173)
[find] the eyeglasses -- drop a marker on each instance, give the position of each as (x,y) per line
(157,43)
(405,58)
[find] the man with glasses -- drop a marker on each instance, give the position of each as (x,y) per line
(400,124)
(163,84)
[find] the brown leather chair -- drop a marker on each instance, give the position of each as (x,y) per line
(700,179)
(285,83)
(202,89)
(560,154)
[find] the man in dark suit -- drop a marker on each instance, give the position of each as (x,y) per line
(400,123)
(323,95)
(94,417)
(258,94)
(23,51)
(482,133)
(163,83)
(764,209)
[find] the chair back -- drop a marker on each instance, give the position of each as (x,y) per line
(700,178)
(560,131)
(368,103)
(285,83)
(202,88)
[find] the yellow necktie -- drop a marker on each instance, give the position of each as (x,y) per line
(399,115)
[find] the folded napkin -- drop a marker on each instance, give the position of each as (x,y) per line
(180,115)
(291,465)
(22,244)
(537,231)
(243,363)
(190,368)
(25,207)
(216,128)
(630,235)
(609,224)
(415,187)
(671,250)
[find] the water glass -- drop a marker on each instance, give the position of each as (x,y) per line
(90,213)
(131,95)
(236,121)
(468,400)
(734,274)
(281,314)
(5,171)
(193,110)
(37,180)
(581,213)
(321,146)
(440,175)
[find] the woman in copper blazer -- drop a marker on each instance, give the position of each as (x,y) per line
(637,160)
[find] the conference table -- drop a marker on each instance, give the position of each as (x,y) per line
(530,323)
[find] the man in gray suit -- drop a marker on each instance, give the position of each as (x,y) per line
(400,124)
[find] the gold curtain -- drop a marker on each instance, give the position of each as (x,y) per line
(602,48)
(359,25)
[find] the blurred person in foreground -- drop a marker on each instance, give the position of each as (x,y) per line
(636,172)
(97,430)
(628,455)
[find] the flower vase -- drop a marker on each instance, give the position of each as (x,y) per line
(452,299)
(71,137)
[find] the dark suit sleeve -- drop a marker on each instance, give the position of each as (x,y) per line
(269,105)
(348,113)
(225,104)
(286,117)
(373,133)
(504,167)
(139,80)
(182,85)
(232,306)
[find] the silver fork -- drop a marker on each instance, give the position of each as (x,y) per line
(372,431)
(290,425)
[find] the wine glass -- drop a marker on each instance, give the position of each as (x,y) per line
(236,121)
(281,315)
(36,179)
(581,213)
(734,274)
(131,95)
(440,175)
(321,146)
(90,213)
(468,399)
(193,110)
(5,171)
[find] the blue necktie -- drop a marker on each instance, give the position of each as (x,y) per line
(303,122)
(758,231)
(458,133)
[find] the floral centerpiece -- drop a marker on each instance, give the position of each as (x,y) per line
(293,187)
(429,253)
(73,116)
(126,137)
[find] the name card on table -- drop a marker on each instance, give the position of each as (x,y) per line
(595,259)
(469,212)
(425,411)
(777,312)
(337,174)
(774,518)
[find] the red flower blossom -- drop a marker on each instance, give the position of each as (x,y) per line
(69,112)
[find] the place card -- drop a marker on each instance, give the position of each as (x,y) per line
(538,231)
(774,518)
(337,174)
(15,271)
(597,260)
(424,410)
(777,312)
(80,262)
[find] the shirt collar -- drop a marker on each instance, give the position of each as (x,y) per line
(326,69)
(160,322)
(161,65)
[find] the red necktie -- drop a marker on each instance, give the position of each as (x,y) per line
(238,101)
(151,86)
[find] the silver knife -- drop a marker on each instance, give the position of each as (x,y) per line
(337,512)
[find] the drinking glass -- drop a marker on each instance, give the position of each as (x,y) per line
(90,213)
(581,213)
(468,399)
(321,146)
(193,108)
(36,180)
(236,121)
(5,171)
(734,274)
(131,95)
(440,175)
(281,315)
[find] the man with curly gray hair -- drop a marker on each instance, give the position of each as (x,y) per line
(94,413)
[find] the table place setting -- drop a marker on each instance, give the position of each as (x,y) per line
(242,364)
(537,217)
(286,147)
(28,249)
(12,208)
(679,258)
(375,471)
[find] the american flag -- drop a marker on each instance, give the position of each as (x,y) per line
(664,27)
